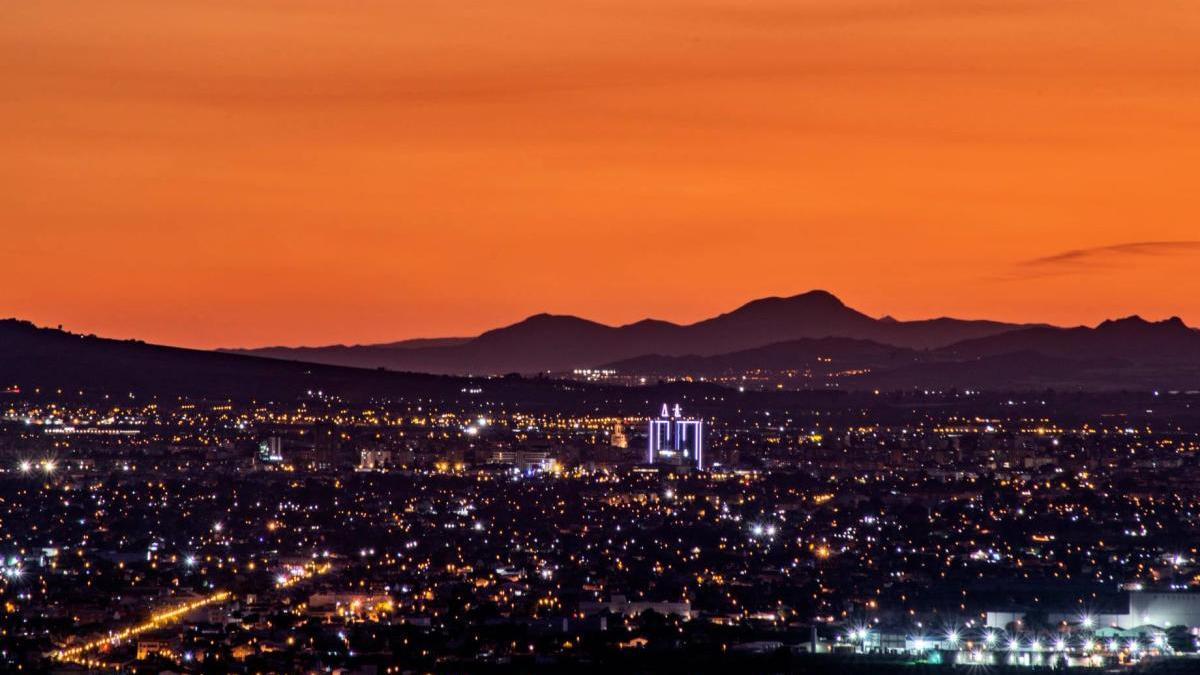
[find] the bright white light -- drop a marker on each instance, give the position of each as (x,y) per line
(281,579)
(756,530)
(770,530)
(989,638)
(217,527)
(190,561)
(1088,622)
(49,466)
(26,466)
(1113,646)
(952,637)
(1060,645)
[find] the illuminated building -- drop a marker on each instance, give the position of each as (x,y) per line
(619,440)
(674,439)
(270,449)
(374,460)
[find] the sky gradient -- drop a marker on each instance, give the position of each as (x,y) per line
(252,172)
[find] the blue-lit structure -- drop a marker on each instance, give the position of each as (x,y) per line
(674,439)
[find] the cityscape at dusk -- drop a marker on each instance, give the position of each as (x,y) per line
(610,336)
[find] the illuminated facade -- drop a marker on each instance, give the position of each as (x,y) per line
(674,439)
(270,450)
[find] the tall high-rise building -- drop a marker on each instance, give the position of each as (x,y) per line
(675,439)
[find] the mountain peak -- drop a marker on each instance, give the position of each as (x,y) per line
(1136,322)
(545,318)
(816,297)
(812,300)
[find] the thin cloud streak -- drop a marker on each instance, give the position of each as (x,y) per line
(1138,248)
(1082,259)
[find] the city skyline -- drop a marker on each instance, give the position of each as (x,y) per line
(645,336)
(251,174)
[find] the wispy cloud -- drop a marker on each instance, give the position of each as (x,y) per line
(1082,259)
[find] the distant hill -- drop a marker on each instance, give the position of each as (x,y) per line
(1132,338)
(347,355)
(821,355)
(1129,353)
(35,358)
(555,343)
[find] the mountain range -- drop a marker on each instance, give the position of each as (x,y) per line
(555,343)
(808,341)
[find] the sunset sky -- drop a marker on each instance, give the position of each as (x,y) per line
(251,172)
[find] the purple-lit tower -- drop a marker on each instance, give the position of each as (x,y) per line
(674,439)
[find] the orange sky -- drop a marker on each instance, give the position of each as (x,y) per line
(248,172)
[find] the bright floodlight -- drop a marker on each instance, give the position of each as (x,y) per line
(25,466)
(1060,645)
(49,466)
(952,637)
(1088,622)
(190,561)
(989,637)
(756,530)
